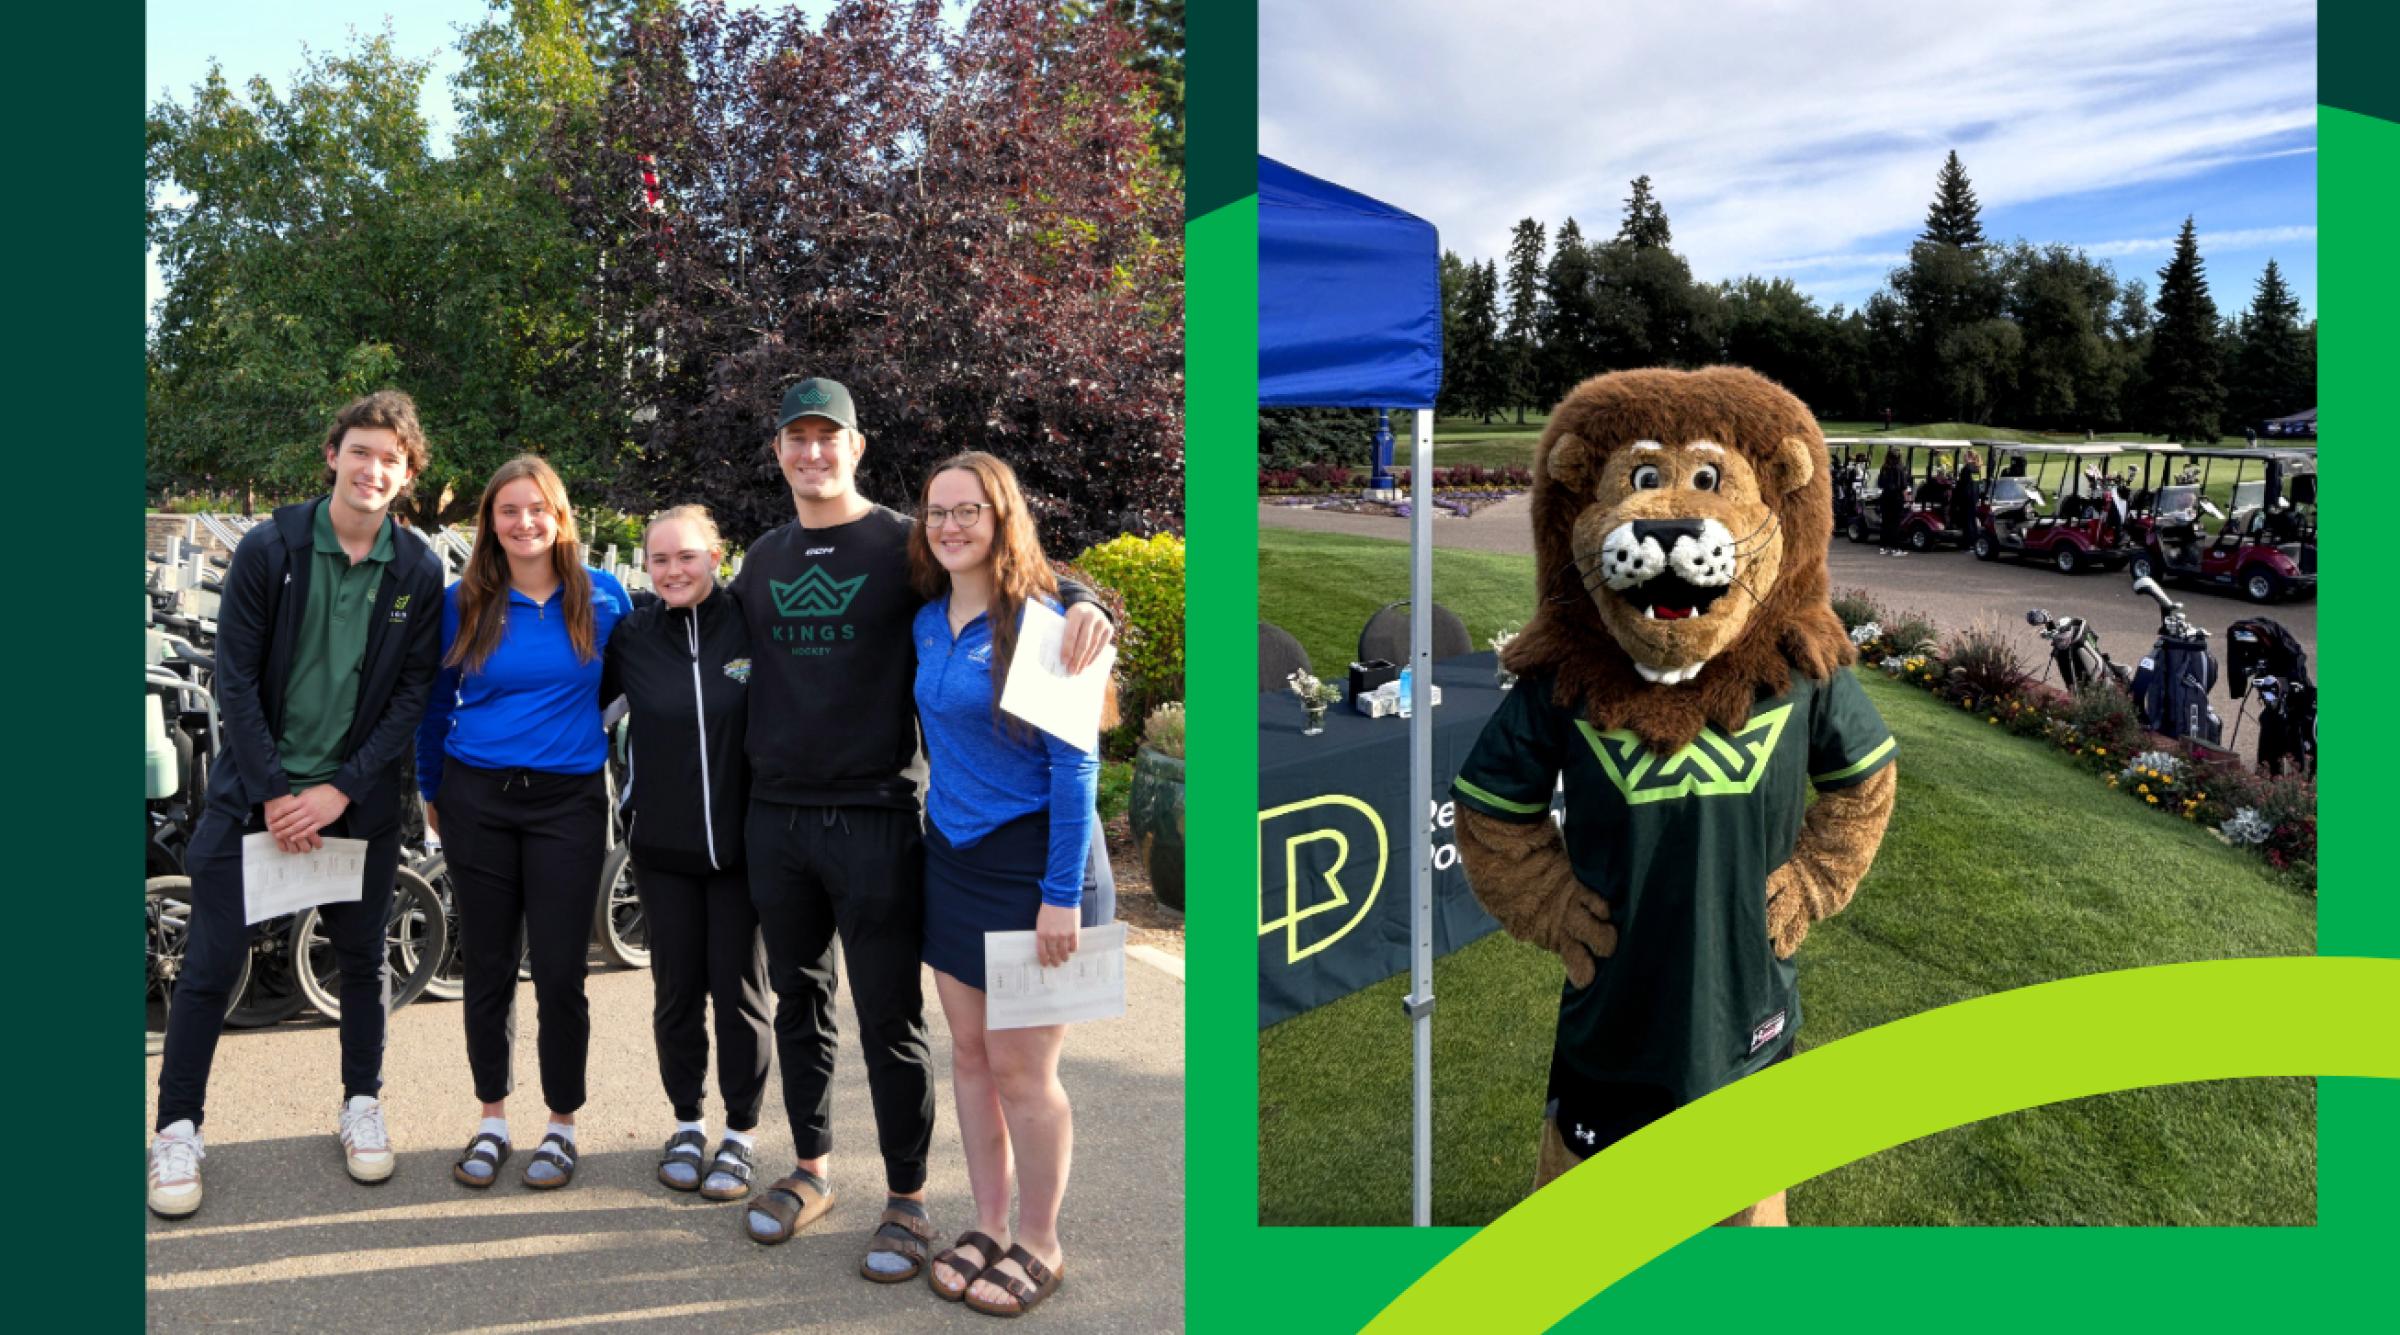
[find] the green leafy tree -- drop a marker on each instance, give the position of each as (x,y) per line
(2187,392)
(1568,316)
(2061,300)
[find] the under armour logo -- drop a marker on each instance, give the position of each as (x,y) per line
(1586,1134)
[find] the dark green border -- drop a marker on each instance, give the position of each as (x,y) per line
(1245,1277)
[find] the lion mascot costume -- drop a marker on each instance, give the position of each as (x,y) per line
(1684,678)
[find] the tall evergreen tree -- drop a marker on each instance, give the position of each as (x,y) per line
(1955,218)
(2275,373)
(1472,366)
(1569,315)
(1524,312)
(2187,391)
(1645,226)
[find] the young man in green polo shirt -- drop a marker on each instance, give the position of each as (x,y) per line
(328,637)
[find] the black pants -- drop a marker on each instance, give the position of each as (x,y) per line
(858,872)
(525,851)
(219,938)
(705,946)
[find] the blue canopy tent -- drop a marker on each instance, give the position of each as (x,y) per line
(1350,316)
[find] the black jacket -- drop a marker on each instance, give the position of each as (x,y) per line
(258,622)
(685,676)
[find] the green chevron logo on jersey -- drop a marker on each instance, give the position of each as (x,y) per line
(1712,765)
(815,594)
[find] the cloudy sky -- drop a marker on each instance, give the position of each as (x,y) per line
(1802,139)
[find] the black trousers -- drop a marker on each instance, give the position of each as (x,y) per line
(525,851)
(855,872)
(219,938)
(705,946)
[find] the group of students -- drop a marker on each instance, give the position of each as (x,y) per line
(775,727)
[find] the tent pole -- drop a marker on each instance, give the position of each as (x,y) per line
(1420,793)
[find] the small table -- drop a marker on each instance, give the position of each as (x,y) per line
(1333,841)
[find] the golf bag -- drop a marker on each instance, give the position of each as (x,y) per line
(2261,653)
(2170,688)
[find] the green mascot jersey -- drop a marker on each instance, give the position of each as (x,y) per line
(1680,847)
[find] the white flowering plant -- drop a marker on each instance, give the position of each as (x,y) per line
(2246,827)
(1312,691)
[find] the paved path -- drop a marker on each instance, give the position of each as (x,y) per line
(1954,588)
(287,1242)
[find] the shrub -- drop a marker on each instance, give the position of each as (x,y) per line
(1116,789)
(1856,607)
(1148,574)
(1163,732)
(1910,633)
(1981,666)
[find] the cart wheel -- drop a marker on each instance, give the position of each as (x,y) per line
(2261,586)
(414,938)
(1920,539)
(168,908)
(617,922)
(449,981)
(1985,549)
(2141,567)
(1856,529)
(2069,559)
(273,994)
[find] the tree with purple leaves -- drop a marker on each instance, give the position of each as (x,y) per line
(971,228)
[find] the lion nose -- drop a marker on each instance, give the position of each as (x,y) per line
(1667,532)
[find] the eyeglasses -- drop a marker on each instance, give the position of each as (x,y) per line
(966,515)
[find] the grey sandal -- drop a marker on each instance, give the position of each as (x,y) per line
(679,1162)
(487,1149)
(728,1173)
(556,1153)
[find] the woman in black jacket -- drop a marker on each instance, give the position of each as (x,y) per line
(683,666)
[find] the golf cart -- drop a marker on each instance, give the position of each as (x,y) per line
(1937,507)
(2265,539)
(2085,524)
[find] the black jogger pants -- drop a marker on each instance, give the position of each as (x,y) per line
(705,947)
(859,873)
(525,851)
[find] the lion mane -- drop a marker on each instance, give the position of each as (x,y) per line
(1793,629)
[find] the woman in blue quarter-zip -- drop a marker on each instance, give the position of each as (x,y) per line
(513,752)
(682,664)
(1009,824)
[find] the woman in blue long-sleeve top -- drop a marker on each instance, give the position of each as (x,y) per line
(1009,825)
(513,751)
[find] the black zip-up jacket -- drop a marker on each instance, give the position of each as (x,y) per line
(258,622)
(685,676)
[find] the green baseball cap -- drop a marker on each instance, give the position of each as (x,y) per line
(817,397)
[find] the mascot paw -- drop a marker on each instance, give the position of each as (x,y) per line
(1584,935)
(1787,917)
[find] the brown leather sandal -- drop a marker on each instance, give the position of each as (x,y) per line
(1045,1282)
(984,1247)
(903,1231)
(793,1203)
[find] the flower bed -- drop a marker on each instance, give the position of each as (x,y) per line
(1981,672)
(1323,478)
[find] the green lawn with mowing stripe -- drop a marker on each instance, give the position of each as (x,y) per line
(2004,866)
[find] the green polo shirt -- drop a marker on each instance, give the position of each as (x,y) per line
(321,696)
(1680,846)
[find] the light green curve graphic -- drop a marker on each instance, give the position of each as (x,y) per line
(1891,1084)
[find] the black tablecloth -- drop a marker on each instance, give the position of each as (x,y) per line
(1333,842)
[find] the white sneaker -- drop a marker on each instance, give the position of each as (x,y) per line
(175,1170)
(366,1145)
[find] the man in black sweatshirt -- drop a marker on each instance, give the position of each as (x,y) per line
(328,637)
(834,838)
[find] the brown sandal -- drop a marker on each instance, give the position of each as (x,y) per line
(793,1203)
(1045,1282)
(984,1247)
(903,1231)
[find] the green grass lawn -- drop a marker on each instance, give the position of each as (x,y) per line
(1504,444)
(2004,866)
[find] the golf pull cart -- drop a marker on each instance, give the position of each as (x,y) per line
(2084,526)
(2171,686)
(2263,657)
(1940,490)
(2265,538)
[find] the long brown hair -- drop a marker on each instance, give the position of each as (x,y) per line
(1019,570)
(483,589)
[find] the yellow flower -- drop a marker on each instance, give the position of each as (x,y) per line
(2144,788)
(2101,749)
(1994,721)
(2151,800)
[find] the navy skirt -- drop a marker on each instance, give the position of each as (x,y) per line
(996,886)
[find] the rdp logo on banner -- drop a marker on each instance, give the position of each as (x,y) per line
(1321,864)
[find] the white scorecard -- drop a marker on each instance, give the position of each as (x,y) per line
(1018,993)
(1038,689)
(275,882)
